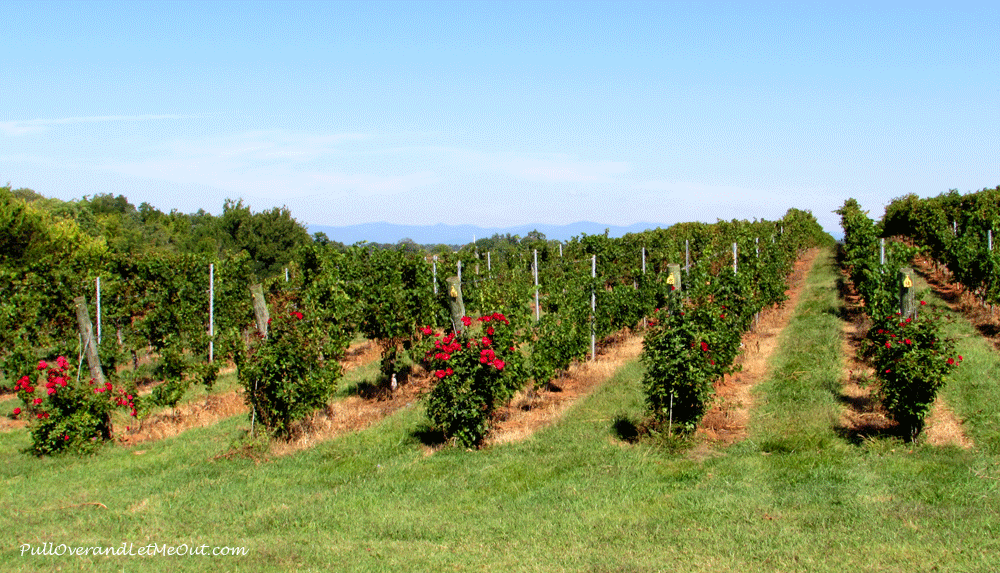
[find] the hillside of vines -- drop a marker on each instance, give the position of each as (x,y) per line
(185,300)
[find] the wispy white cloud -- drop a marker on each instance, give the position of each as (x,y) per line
(29,126)
(276,163)
(360,176)
(287,164)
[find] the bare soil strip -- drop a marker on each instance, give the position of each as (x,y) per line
(217,407)
(863,416)
(8,424)
(726,421)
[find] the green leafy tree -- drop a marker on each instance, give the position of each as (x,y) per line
(271,237)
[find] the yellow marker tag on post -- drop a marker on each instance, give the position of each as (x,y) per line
(670,279)
(907,283)
(453,293)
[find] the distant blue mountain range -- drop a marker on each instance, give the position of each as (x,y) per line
(464,234)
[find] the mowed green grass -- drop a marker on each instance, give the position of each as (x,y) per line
(794,496)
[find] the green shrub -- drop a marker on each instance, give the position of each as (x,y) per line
(478,371)
(291,374)
(682,358)
(66,415)
(912,361)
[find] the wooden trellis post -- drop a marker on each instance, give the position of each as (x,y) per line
(455,303)
(88,341)
(260,309)
(907,294)
(674,276)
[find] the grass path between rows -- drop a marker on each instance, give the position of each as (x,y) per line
(794,496)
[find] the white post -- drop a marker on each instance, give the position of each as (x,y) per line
(989,239)
(593,310)
(211,313)
(644,260)
(734,259)
(756,246)
(434,272)
(286,274)
(881,253)
(560,250)
(538,310)
(459,274)
(489,261)
(98,311)
(687,257)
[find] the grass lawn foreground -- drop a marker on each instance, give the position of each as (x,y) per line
(794,496)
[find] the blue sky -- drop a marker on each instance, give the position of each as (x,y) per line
(497,114)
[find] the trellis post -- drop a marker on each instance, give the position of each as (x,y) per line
(907,294)
(260,309)
(538,310)
(674,276)
(211,312)
(434,273)
(98,283)
(593,309)
(455,303)
(87,340)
